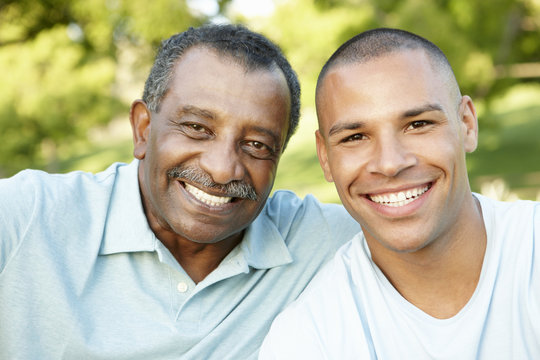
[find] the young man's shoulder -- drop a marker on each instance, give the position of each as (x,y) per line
(319,324)
(516,220)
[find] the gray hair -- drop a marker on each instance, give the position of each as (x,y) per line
(249,49)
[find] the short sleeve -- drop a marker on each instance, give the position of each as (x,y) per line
(17,209)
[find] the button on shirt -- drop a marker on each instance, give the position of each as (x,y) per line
(182,287)
(82,275)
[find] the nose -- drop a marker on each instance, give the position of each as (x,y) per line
(222,160)
(390,157)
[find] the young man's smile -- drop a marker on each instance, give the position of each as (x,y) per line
(399,198)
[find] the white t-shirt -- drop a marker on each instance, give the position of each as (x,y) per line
(351,311)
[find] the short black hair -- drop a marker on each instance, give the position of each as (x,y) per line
(375,43)
(251,50)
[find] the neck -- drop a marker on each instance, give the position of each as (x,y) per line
(440,278)
(198,260)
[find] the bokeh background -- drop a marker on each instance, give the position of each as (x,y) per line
(70,70)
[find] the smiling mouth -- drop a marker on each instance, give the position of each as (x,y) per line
(399,198)
(206,198)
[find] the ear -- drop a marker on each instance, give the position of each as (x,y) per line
(323,156)
(469,123)
(139,116)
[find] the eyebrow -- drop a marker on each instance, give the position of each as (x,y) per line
(336,128)
(190,109)
(422,109)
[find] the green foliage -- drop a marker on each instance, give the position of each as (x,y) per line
(62,61)
(74,65)
(482,39)
(510,149)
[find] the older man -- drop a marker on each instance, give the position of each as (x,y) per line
(178,254)
(439,272)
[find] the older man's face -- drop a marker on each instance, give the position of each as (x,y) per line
(209,156)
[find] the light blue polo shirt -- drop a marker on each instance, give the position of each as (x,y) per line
(82,276)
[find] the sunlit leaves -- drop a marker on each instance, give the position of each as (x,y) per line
(65,65)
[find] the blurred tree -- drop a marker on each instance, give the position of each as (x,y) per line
(492,45)
(487,42)
(71,65)
(61,62)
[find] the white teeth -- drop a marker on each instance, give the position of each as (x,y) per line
(399,198)
(207,198)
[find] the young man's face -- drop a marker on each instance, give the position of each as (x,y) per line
(393,137)
(226,126)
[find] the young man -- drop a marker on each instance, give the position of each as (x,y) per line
(178,254)
(439,272)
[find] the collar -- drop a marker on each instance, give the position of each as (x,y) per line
(126,227)
(263,246)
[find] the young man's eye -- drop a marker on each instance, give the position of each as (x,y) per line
(355,137)
(418,124)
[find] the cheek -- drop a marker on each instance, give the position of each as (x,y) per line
(173,150)
(346,166)
(262,174)
(168,146)
(156,150)
(447,151)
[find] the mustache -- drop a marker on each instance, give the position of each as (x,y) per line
(235,188)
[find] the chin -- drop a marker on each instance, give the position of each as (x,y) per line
(400,243)
(406,248)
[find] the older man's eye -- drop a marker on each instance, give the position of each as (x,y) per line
(258,149)
(258,145)
(195,131)
(196,127)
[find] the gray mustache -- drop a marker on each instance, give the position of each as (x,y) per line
(235,188)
